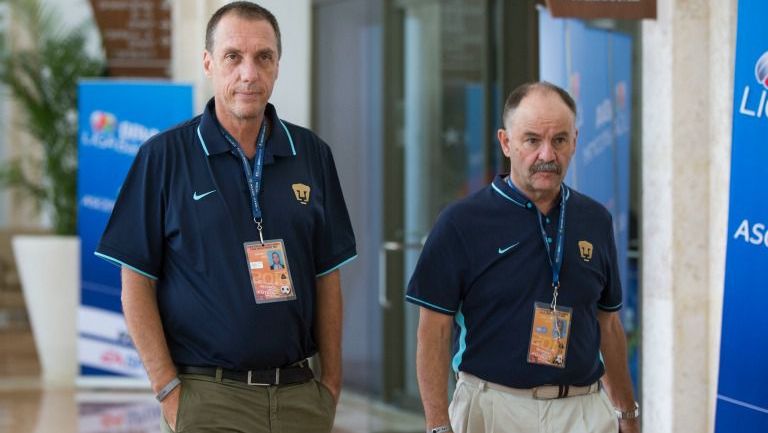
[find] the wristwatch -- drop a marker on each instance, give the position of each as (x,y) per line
(440,429)
(630,414)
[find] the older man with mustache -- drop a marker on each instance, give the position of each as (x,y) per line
(525,273)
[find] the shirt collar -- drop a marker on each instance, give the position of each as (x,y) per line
(279,141)
(514,195)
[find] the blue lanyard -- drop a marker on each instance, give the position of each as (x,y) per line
(253,177)
(557,263)
(558,260)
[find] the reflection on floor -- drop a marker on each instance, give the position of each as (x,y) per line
(26,408)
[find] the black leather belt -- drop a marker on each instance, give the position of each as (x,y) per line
(296,373)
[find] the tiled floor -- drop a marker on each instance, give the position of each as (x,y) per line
(26,408)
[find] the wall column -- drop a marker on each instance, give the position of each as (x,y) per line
(687,87)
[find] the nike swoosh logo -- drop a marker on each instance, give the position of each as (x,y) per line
(504,250)
(198,197)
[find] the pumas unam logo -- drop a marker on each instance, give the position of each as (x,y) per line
(301,192)
(748,107)
(585,250)
(103,122)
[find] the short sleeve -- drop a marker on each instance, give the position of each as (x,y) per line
(133,236)
(611,297)
(441,272)
(335,244)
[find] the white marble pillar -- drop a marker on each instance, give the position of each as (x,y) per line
(687,64)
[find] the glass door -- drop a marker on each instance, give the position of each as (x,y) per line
(440,115)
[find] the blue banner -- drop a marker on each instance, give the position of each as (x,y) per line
(742,400)
(115,118)
(595,66)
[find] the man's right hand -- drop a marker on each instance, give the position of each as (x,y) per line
(170,407)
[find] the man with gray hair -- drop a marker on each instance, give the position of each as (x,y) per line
(525,272)
(230,230)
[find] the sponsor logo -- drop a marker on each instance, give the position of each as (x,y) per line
(761,70)
(752,233)
(119,359)
(585,250)
(753,104)
(620,95)
(504,250)
(197,197)
(108,132)
(301,192)
(103,122)
(99,204)
(574,88)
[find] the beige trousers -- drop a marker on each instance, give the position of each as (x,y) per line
(207,406)
(475,408)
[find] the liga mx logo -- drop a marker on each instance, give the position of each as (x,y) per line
(754,107)
(103,122)
(761,70)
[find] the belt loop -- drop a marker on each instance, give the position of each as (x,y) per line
(219,372)
(277,376)
(482,386)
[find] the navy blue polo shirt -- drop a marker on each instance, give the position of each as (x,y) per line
(485,263)
(183,215)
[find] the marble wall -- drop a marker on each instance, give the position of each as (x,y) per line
(687,72)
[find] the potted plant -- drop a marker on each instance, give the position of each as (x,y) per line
(40,64)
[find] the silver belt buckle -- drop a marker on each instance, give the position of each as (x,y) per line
(255,383)
(277,379)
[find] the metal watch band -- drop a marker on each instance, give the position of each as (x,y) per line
(440,429)
(630,414)
(170,386)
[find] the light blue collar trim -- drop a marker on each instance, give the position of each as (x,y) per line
(290,140)
(202,142)
(506,196)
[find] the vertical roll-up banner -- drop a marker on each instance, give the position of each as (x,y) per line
(595,66)
(742,400)
(115,118)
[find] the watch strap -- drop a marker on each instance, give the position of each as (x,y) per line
(629,414)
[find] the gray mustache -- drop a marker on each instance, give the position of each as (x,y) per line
(551,167)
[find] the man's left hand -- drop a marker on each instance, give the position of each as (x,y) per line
(629,426)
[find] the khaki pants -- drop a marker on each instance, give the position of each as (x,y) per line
(207,406)
(475,408)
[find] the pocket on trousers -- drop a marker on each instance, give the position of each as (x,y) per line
(458,410)
(182,393)
(611,413)
(327,397)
